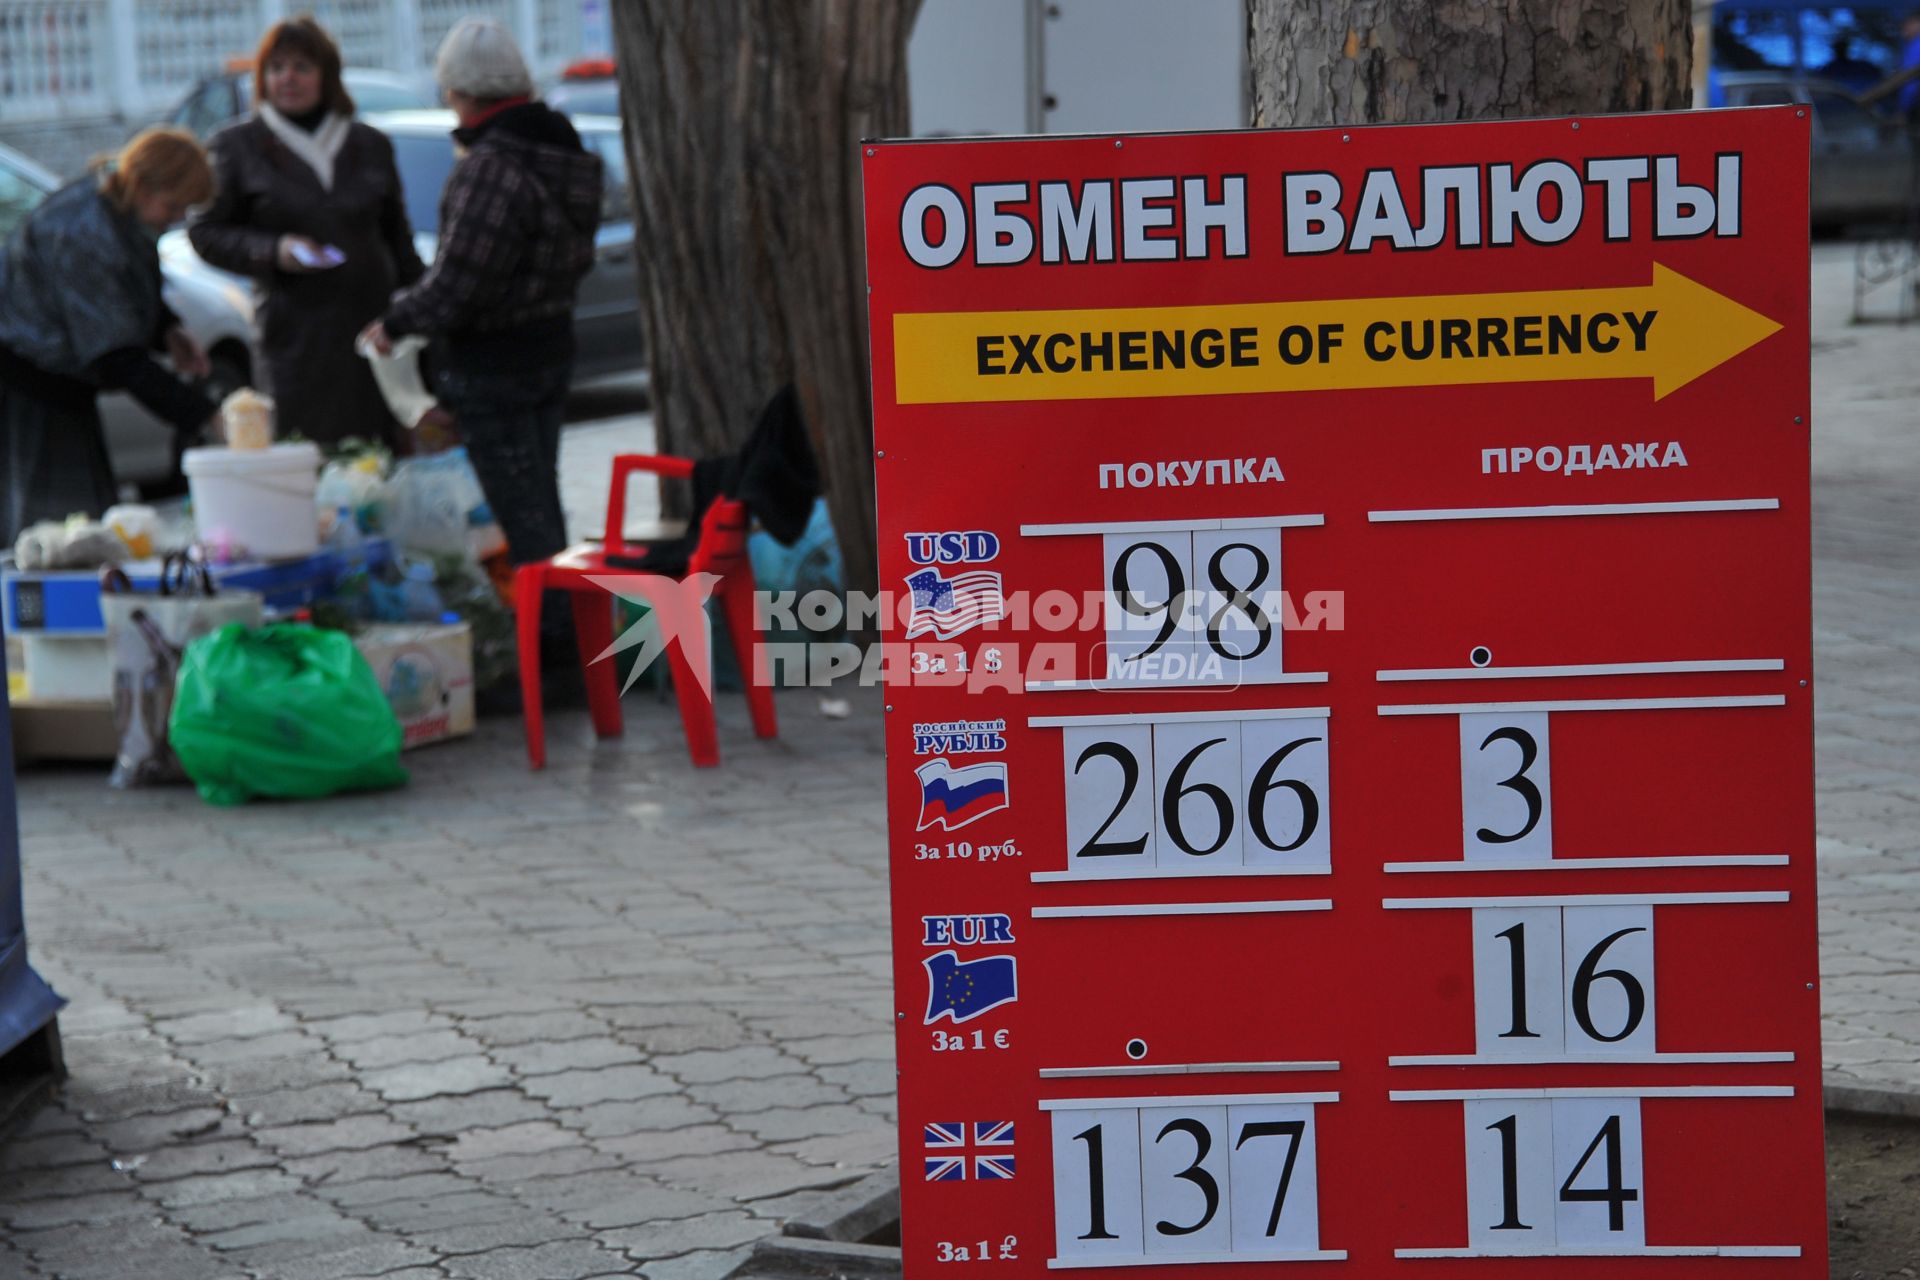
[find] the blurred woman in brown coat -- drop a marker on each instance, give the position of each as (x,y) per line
(310,207)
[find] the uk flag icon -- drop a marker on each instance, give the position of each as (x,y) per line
(989,1156)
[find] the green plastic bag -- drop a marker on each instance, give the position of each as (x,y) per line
(282,710)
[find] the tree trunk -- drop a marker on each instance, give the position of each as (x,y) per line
(1325,62)
(743,123)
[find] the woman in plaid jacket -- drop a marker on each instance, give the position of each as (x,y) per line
(517,222)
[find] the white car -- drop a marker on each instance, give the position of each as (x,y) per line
(214,307)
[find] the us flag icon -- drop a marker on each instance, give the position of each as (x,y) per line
(949,1153)
(944,607)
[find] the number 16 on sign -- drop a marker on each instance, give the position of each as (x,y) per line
(1554,981)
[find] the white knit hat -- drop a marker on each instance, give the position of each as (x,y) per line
(480,58)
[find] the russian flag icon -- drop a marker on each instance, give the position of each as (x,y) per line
(951,798)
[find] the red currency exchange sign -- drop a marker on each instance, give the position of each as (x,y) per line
(1350,791)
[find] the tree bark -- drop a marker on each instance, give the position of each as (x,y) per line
(1327,62)
(743,122)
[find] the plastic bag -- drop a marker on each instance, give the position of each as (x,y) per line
(469,591)
(357,485)
(145,636)
(401,381)
(283,710)
(433,501)
(74,543)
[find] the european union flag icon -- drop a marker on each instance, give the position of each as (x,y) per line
(961,990)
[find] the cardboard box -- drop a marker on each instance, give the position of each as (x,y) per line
(52,730)
(426,670)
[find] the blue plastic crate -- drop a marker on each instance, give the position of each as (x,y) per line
(51,604)
(67,602)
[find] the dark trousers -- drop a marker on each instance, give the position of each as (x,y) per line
(510,420)
(53,459)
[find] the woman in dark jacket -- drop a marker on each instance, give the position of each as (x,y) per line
(302,184)
(81,312)
(517,223)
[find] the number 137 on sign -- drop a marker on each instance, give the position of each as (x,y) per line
(1193,1180)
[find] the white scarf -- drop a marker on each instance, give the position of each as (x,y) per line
(320,148)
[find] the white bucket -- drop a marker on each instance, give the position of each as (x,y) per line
(260,499)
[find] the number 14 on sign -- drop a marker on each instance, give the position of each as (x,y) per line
(1560,1172)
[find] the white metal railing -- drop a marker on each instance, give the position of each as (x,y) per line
(557,33)
(438,16)
(91,59)
(55,59)
(179,42)
(362,28)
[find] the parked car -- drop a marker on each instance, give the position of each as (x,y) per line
(607,314)
(214,310)
(586,88)
(1862,161)
(222,98)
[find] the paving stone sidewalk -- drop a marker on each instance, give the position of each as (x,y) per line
(618,1018)
(607,1020)
(1866,643)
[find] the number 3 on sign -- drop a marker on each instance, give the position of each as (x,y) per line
(1506,797)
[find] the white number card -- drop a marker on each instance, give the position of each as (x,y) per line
(1150,636)
(1553,981)
(1506,797)
(1561,1173)
(1192,1180)
(1195,796)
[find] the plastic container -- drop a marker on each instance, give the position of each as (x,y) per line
(260,499)
(248,418)
(345,538)
(423,602)
(359,485)
(136,526)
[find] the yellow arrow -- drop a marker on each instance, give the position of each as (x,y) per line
(1672,331)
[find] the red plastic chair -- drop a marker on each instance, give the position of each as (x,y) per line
(721,551)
